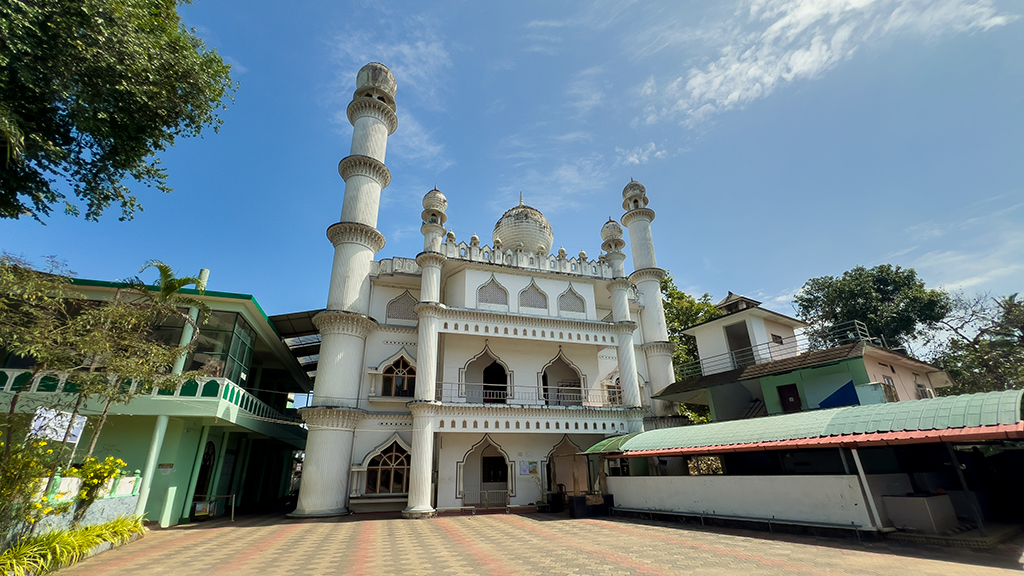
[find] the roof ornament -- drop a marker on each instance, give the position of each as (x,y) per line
(520,198)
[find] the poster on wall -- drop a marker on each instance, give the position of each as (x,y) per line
(53,425)
(527,467)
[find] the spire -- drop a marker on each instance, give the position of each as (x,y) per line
(520,198)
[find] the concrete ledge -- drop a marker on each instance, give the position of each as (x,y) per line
(318,513)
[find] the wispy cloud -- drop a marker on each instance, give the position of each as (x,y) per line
(236,66)
(414,144)
(410,47)
(559,187)
(766,44)
(585,91)
(640,154)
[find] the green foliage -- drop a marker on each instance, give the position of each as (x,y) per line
(681,312)
(90,91)
(54,550)
(985,347)
(891,301)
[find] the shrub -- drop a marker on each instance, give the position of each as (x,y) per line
(54,550)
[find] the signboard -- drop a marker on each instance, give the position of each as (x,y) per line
(53,425)
(527,467)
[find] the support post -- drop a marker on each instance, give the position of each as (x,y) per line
(971,497)
(875,517)
(156,442)
(190,494)
(218,468)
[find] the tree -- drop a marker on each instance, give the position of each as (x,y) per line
(681,312)
(984,350)
(90,91)
(891,301)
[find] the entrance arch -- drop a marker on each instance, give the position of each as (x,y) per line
(485,476)
(486,378)
(567,470)
(561,383)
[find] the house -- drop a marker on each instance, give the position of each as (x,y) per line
(756,362)
(471,374)
(229,433)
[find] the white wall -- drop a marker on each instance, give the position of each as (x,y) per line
(822,499)
(903,378)
(462,291)
(524,358)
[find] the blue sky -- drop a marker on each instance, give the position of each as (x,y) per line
(778,140)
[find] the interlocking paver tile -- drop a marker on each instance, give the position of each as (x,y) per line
(512,545)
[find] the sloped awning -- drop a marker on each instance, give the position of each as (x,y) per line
(611,445)
(965,418)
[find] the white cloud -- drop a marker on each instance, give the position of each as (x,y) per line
(557,188)
(585,91)
(766,44)
(414,144)
(640,154)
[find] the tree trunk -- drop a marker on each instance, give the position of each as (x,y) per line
(99,427)
(10,424)
(67,434)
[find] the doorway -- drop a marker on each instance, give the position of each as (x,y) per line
(486,380)
(485,477)
(789,395)
(738,339)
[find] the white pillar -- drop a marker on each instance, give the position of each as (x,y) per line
(422,460)
(325,470)
(156,442)
(611,234)
(345,324)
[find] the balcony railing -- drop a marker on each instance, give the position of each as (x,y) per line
(14,380)
(775,350)
(531,396)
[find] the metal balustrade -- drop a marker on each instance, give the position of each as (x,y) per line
(485,498)
(775,350)
(530,396)
(15,380)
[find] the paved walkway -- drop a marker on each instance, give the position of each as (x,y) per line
(513,545)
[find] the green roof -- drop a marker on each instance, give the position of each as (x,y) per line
(609,445)
(965,411)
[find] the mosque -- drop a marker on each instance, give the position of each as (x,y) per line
(470,374)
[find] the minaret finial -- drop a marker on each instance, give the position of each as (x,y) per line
(520,198)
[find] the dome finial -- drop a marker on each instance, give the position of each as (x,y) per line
(520,198)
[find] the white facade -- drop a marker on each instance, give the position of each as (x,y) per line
(472,374)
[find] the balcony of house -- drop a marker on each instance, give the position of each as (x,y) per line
(779,348)
(561,395)
(207,398)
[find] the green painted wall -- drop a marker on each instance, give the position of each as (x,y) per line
(813,384)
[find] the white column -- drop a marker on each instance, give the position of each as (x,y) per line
(325,470)
(420,467)
(611,233)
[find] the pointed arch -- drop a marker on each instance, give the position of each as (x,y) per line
(533,297)
(562,382)
(566,468)
(376,450)
(460,466)
(486,379)
(492,293)
(401,309)
(571,303)
(387,467)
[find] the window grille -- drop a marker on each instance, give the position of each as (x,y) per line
(401,308)
(533,297)
(571,301)
(399,379)
(388,472)
(492,293)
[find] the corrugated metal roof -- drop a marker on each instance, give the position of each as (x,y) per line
(609,445)
(966,411)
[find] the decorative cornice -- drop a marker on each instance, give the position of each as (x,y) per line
(436,259)
(368,166)
(645,274)
(619,284)
(658,348)
(466,314)
(375,109)
(354,232)
(330,418)
(341,322)
(637,214)
(428,309)
(504,410)
(624,327)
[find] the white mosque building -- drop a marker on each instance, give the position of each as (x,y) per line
(471,374)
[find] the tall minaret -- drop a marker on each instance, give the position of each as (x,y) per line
(332,416)
(647,277)
(611,234)
(431,260)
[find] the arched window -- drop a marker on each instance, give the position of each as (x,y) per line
(401,308)
(388,472)
(571,301)
(533,297)
(492,293)
(399,379)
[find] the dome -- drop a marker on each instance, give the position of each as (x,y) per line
(376,75)
(524,227)
(611,230)
(633,189)
(435,200)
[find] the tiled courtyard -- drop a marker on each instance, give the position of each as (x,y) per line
(511,544)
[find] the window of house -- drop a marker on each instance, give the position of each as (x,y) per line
(492,293)
(571,301)
(399,379)
(388,472)
(889,388)
(533,297)
(402,308)
(777,339)
(494,469)
(224,347)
